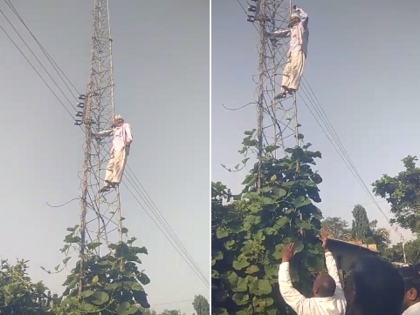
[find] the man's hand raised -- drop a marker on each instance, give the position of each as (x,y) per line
(323,237)
(288,252)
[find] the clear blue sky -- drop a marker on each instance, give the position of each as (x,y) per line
(161,67)
(363,67)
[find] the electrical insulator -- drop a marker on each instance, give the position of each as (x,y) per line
(251,18)
(80,105)
(79,114)
(77,122)
(252,8)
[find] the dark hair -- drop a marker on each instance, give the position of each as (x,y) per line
(411,278)
(379,289)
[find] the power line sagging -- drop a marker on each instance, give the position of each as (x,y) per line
(131,181)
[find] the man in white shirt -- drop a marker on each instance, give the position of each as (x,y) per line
(411,278)
(328,296)
(299,37)
(122,138)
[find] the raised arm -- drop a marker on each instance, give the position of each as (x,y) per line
(303,16)
(332,267)
(291,296)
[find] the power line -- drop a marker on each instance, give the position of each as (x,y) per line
(333,137)
(183,252)
(49,87)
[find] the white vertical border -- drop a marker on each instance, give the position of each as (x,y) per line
(210,127)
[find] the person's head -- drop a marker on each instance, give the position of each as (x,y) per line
(118,121)
(374,287)
(411,280)
(294,19)
(324,286)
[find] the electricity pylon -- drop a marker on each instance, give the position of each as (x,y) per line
(277,121)
(100,217)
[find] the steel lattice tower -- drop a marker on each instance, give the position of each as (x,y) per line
(100,218)
(277,122)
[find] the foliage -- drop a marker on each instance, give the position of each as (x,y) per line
(171,312)
(201,305)
(412,252)
(18,294)
(360,227)
(112,284)
(380,236)
(147,311)
(402,192)
(337,228)
(248,234)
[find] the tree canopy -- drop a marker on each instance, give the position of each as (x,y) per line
(248,234)
(402,192)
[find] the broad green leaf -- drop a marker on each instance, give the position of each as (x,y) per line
(281,222)
(136,287)
(87,307)
(241,285)
(301,201)
(279,193)
(229,245)
(219,311)
(99,298)
(266,189)
(269,301)
(217,254)
(278,251)
(298,246)
(240,264)
(304,225)
(270,271)
(240,298)
(87,293)
(267,200)
(232,277)
(112,286)
(126,309)
(222,233)
(252,269)
(93,245)
(271,148)
(260,287)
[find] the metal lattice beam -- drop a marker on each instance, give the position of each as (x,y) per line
(277,119)
(100,218)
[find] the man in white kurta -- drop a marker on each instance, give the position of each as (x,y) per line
(327,290)
(299,36)
(122,139)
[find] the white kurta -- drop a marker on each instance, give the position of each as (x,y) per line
(335,305)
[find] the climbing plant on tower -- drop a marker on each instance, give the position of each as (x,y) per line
(112,283)
(249,233)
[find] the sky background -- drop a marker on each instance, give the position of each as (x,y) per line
(161,71)
(363,68)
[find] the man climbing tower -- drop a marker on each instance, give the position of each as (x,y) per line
(299,36)
(123,137)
